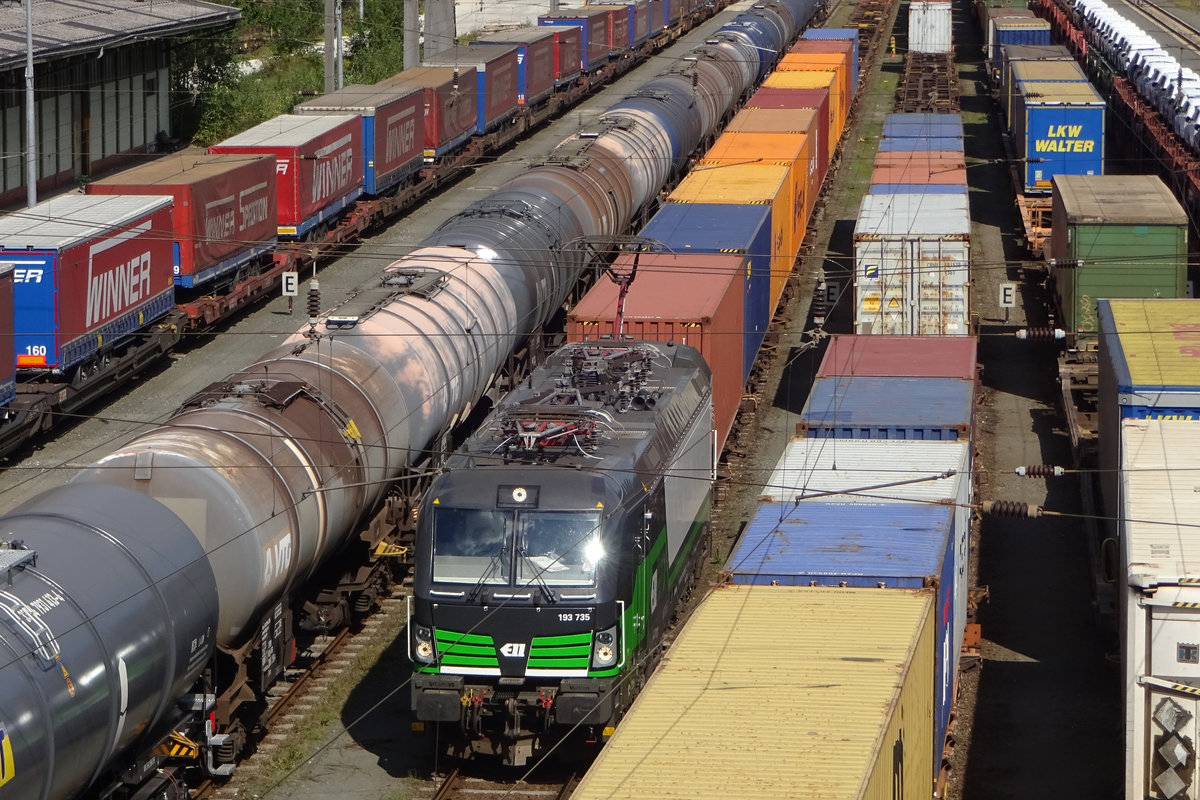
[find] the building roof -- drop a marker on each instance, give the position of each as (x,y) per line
(67,27)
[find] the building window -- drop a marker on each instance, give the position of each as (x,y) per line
(1187,653)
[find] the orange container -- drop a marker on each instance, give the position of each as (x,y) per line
(816,79)
(693,299)
(820,62)
(787,120)
(793,149)
(757,184)
(920,167)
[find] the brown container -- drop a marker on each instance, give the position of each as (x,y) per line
(820,80)
(781,120)
(922,167)
(694,299)
(817,99)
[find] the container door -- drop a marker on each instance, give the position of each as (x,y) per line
(1164,700)
(882,286)
(941,293)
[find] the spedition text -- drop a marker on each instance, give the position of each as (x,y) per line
(114,290)
(1064,139)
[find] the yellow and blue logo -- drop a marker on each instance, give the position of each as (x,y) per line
(7,768)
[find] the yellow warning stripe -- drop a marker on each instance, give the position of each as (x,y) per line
(7,767)
(1185,605)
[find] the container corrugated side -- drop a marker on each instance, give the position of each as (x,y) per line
(691,299)
(1048,71)
(929,27)
(1015,30)
(1059,129)
(852,407)
(912,255)
(799,99)
(1159,600)
(838,61)
(1149,369)
(537,65)
(757,184)
(819,80)
(901,356)
(919,166)
(8,356)
(905,125)
(856,676)
(850,48)
(451,104)
(837,34)
(793,149)
(594,25)
(787,120)
(917,188)
(1115,236)
(735,230)
(917,143)
(1002,72)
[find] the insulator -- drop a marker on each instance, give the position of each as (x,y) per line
(820,303)
(1011,508)
(314,302)
(695,79)
(1041,334)
(1040,471)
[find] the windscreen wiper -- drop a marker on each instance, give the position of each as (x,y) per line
(537,576)
(493,565)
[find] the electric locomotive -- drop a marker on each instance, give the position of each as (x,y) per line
(557,545)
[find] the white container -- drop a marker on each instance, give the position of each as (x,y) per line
(929,27)
(911,263)
(1160,603)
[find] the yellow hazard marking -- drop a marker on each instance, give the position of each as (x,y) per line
(386,549)
(436,501)
(351,431)
(1185,605)
(1180,687)
(599,505)
(893,303)
(7,767)
(1187,581)
(67,678)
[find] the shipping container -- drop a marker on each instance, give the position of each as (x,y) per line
(792,149)
(905,166)
(1159,604)
(1018,53)
(1149,369)
(915,143)
(1059,129)
(537,67)
(620,26)
(816,100)
(819,80)
(451,105)
(224,212)
(594,25)
(867,407)
(900,356)
(754,184)
(896,545)
(929,27)
(568,53)
(837,34)
(638,16)
(987,13)
(839,62)
(1113,236)
(917,188)
(495,75)
(1039,72)
(907,126)
(743,230)
(750,704)
(318,165)
(686,298)
(912,256)
(8,357)
(782,120)
(1008,30)
(88,269)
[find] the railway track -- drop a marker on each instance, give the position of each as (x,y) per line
(1172,24)
(457,786)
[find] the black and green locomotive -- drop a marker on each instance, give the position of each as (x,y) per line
(554,551)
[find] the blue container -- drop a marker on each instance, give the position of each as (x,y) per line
(1059,129)
(896,545)
(1165,348)
(1029,30)
(922,143)
(719,228)
(849,407)
(850,34)
(917,188)
(922,126)
(759,35)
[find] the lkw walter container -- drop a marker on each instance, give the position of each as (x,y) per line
(1002,73)
(1039,72)
(900,356)
(755,184)
(745,230)
(911,264)
(393,129)
(780,120)
(855,677)
(1059,129)
(495,76)
(451,105)
(225,209)
(318,165)
(1149,369)
(536,65)
(1159,605)
(8,357)
(688,298)
(88,269)
(854,407)
(593,23)
(1113,236)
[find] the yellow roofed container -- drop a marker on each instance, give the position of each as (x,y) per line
(753,184)
(816,79)
(822,62)
(793,149)
(783,692)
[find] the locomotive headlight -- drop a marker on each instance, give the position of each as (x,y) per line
(604,651)
(424,649)
(593,551)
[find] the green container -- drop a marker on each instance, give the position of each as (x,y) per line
(1113,236)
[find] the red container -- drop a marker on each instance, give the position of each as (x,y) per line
(319,165)
(900,357)
(658,16)
(450,104)
(594,22)
(87,271)
(536,65)
(568,53)
(8,358)
(496,79)
(920,167)
(619,28)
(225,208)
(816,99)
(694,299)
